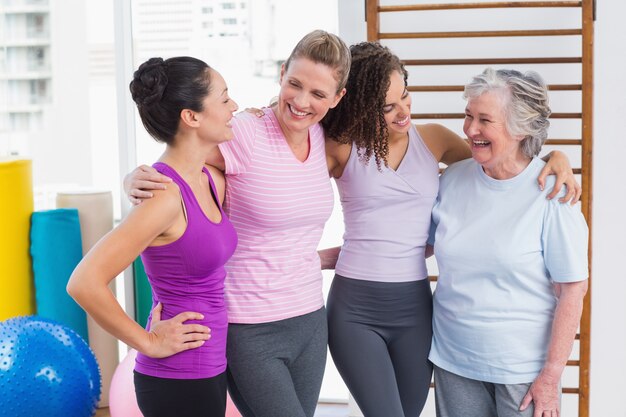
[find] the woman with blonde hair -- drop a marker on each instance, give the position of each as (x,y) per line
(278,197)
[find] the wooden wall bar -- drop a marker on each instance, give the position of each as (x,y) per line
(585,86)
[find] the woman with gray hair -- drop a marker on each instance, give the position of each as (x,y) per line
(512,264)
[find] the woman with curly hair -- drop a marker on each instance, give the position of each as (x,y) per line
(380,303)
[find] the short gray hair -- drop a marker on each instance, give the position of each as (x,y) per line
(526,104)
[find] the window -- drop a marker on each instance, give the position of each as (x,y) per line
(36,58)
(38,91)
(36,26)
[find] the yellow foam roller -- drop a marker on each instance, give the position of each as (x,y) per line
(16,206)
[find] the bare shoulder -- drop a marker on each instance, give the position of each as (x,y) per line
(216,159)
(164,204)
(338,150)
(432,132)
(435,137)
(152,218)
(219,181)
(445,145)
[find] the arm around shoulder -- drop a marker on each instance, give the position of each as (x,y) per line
(337,155)
(329,257)
(139,183)
(557,163)
(219,180)
(445,145)
(216,159)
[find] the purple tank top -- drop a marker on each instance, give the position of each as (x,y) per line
(387,215)
(188,275)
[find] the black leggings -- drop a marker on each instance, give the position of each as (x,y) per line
(166,397)
(379,336)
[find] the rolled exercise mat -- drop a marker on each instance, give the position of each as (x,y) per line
(56,249)
(143,293)
(95,211)
(16,206)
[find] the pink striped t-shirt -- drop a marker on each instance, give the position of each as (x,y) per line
(278,206)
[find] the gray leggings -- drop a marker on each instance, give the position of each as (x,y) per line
(457,396)
(275,369)
(379,336)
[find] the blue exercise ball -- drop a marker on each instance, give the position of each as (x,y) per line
(46,369)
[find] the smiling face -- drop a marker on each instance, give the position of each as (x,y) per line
(492,145)
(307,91)
(397,108)
(218,111)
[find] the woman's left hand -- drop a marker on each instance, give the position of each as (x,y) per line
(544,393)
(260,112)
(558,164)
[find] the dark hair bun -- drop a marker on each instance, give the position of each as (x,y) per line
(149,82)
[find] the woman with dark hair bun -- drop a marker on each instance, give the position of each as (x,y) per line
(278,197)
(184,239)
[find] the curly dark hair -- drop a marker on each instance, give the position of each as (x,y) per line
(359,116)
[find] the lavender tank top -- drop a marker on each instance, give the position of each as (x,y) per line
(188,275)
(387,215)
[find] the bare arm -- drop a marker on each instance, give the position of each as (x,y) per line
(329,256)
(216,159)
(337,155)
(219,180)
(557,163)
(544,391)
(445,145)
(88,284)
(139,184)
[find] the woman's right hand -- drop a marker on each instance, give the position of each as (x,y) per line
(137,184)
(329,257)
(167,337)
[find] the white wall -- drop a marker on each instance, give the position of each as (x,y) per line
(62,150)
(608,321)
